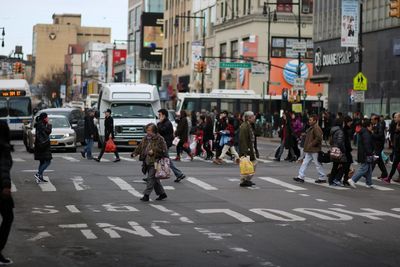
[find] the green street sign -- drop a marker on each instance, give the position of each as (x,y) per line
(235,65)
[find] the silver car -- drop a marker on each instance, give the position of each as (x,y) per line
(62,135)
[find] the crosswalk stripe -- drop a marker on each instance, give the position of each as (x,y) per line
(376,179)
(123,185)
(13,187)
(79,183)
(282,183)
(377,187)
(128,159)
(312,181)
(70,159)
(264,160)
(47,186)
(201,184)
(168,187)
(18,160)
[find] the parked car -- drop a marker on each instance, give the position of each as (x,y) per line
(74,115)
(61,137)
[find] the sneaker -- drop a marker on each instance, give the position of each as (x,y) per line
(217,161)
(346,183)
(177,159)
(297,179)
(386,180)
(396,180)
(178,179)
(245,184)
(351,183)
(43,180)
(145,198)
(83,154)
(97,159)
(277,159)
(116,160)
(337,183)
(161,197)
(37,178)
(237,161)
(370,186)
(145,179)
(5,261)
(319,181)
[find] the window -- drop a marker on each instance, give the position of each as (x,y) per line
(132,110)
(3,108)
(282,47)
(59,122)
(188,20)
(131,43)
(20,107)
(307,6)
(130,18)
(166,29)
(222,51)
(284,6)
(234,50)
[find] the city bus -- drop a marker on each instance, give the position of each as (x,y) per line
(15,104)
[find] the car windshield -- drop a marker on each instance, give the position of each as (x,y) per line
(132,110)
(59,122)
(56,112)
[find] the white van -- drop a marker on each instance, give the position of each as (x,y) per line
(133,106)
(91,100)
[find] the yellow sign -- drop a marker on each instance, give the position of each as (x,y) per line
(360,82)
(297,108)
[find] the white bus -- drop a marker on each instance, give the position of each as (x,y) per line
(15,104)
(133,106)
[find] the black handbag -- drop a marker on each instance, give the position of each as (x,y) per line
(324,157)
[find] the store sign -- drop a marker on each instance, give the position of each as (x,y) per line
(332,59)
(12,93)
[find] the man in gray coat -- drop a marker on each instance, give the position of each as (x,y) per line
(312,146)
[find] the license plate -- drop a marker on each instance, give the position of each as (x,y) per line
(53,143)
(132,142)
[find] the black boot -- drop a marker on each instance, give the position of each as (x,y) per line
(162,196)
(145,198)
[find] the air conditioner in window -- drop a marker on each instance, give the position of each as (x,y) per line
(305,9)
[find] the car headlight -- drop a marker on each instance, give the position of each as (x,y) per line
(66,135)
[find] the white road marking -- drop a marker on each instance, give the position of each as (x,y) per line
(282,183)
(201,183)
(377,187)
(47,186)
(376,179)
(125,186)
(172,213)
(211,235)
(72,209)
(264,160)
(88,234)
(36,170)
(234,180)
(321,200)
(13,187)
(128,159)
(312,181)
(39,236)
(304,195)
(290,191)
(79,183)
(168,187)
(71,159)
(240,217)
(18,160)
(239,250)
(339,205)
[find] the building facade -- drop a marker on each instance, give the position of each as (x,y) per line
(336,66)
(51,42)
(145,31)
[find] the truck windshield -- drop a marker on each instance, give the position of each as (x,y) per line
(132,110)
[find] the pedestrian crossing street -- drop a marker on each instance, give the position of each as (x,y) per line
(135,186)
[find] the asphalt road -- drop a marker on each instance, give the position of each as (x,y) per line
(89,214)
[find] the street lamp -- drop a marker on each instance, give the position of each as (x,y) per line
(272,17)
(134,53)
(204,40)
(319,95)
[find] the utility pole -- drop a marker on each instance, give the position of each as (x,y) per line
(360,47)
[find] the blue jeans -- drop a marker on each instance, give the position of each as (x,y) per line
(43,166)
(88,147)
(308,157)
(175,170)
(364,170)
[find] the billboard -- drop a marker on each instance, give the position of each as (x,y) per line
(349,23)
(152,36)
(249,49)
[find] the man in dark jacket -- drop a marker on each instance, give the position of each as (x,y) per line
(166,130)
(90,130)
(365,155)
(6,200)
(378,139)
(42,145)
(108,133)
(246,145)
(396,150)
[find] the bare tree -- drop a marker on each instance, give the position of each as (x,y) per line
(52,81)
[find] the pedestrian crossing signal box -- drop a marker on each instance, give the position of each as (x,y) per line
(360,82)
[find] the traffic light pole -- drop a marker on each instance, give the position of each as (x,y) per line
(360,45)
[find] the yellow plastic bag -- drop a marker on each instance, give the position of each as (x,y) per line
(246,166)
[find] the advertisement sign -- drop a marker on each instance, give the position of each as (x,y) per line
(248,50)
(283,78)
(152,36)
(197,49)
(119,55)
(350,23)
(297,108)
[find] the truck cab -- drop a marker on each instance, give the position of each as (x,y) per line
(133,106)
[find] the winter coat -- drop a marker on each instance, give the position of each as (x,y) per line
(208,132)
(297,127)
(5,157)
(166,130)
(90,128)
(365,146)
(396,143)
(42,141)
(347,133)
(378,137)
(108,128)
(313,142)
(155,143)
(337,140)
(182,130)
(246,141)
(230,132)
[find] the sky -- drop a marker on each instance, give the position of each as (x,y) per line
(19,16)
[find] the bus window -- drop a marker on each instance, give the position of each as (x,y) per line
(246,105)
(228,104)
(207,104)
(189,104)
(3,108)
(20,107)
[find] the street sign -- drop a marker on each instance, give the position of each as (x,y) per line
(235,65)
(275,83)
(360,82)
(258,69)
(359,96)
(299,47)
(297,108)
(298,84)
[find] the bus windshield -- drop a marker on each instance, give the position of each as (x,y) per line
(3,107)
(19,107)
(132,110)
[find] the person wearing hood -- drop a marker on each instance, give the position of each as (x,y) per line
(151,149)
(337,140)
(365,155)
(42,145)
(6,200)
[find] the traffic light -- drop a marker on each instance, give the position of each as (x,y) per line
(394,6)
(197,66)
(202,66)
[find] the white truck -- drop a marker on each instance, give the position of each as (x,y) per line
(133,106)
